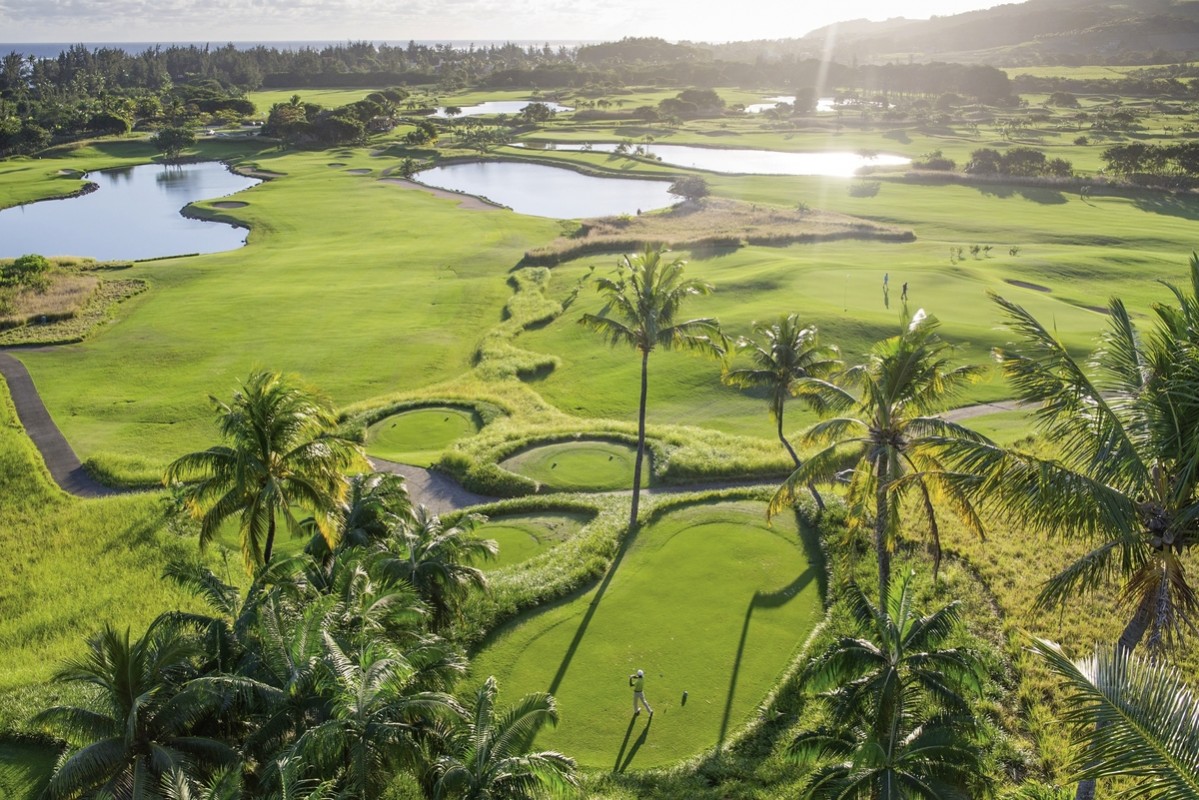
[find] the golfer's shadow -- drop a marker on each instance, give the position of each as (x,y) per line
(628,759)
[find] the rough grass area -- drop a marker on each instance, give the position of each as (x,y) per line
(72,565)
(714,223)
(708,600)
(419,436)
(68,311)
(584,465)
(522,536)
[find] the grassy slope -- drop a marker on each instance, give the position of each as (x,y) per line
(73,566)
(724,644)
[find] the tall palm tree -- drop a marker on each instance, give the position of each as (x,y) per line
(892,437)
(1132,718)
(641,307)
(784,353)
(438,561)
(374,504)
(900,723)
(1126,474)
(281,453)
(139,723)
(489,756)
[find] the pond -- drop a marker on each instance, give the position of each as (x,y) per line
(543,191)
(747,162)
(823,104)
(498,107)
(134,214)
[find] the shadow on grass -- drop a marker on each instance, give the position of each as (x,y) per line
(625,543)
(625,744)
(809,540)
(637,744)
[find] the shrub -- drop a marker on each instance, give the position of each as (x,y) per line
(27,271)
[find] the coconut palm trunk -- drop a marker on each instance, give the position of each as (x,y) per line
(1130,637)
(270,541)
(640,440)
(795,460)
(880,529)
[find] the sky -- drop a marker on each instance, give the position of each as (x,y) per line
(221,21)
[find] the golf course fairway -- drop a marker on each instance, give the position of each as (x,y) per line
(708,600)
(419,436)
(584,465)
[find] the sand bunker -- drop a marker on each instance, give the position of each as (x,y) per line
(336,164)
(1036,287)
(226,204)
(467,201)
(359,171)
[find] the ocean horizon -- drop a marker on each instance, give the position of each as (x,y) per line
(52,49)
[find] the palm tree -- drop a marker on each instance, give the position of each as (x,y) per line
(438,561)
(785,353)
(139,725)
(900,721)
(641,307)
(282,454)
(374,504)
(489,756)
(891,437)
(1133,718)
(1126,476)
(377,714)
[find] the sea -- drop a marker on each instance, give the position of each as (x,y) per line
(52,49)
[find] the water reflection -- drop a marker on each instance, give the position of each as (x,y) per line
(134,214)
(543,191)
(497,107)
(747,162)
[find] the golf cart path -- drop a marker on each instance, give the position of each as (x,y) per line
(437,491)
(64,465)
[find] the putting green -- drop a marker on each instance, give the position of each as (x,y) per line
(582,465)
(419,436)
(524,536)
(708,601)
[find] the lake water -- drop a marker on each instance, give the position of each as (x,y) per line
(499,107)
(133,215)
(823,104)
(747,162)
(543,191)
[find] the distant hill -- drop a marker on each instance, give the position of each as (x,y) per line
(1032,32)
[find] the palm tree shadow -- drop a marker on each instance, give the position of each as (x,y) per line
(591,609)
(624,745)
(809,539)
(637,744)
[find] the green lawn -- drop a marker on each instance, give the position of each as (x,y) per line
(419,436)
(583,465)
(709,601)
(522,536)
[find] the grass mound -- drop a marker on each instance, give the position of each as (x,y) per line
(419,436)
(708,600)
(523,536)
(716,223)
(584,465)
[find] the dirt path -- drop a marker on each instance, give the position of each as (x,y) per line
(60,458)
(436,490)
(982,409)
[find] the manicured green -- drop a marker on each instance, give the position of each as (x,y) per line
(419,436)
(708,600)
(578,465)
(522,536)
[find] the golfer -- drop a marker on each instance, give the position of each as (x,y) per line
(637,681)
